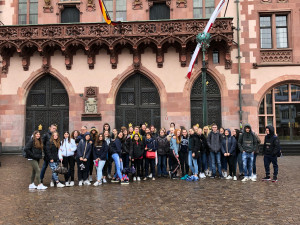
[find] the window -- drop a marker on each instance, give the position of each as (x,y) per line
(70,14)
(215,57)
(273,31)
(280,108)
(26,6)
(203,8)
(121,10)
(159,11)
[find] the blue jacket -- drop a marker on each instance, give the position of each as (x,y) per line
(84,146)
(151,144)
(100,151)
(173,145)
(229,144)
(116,147)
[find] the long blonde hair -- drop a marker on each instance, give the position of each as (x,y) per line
(57,141)
(208,131)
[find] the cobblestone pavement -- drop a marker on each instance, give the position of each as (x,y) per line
(162,201)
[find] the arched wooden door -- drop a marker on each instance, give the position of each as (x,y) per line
(213,102)
(137,102)
(47,103)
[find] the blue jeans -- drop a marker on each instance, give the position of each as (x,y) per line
(216,156)
(99,168)
(254,163)
(116,159)
(223,162)
(248,163)
(208,161)
(43,170)
(239,161)
(203,162)
(162,165)
(193,164)
(53,166)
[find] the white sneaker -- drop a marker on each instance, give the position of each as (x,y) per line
(87,182)
(91,178)
(225,174)
(41,187)
(150,176)
(134,178)
(229,177)
(51,184)
(253,178)
(59,185)
(138,179)
(96,183)
(234,178)
(209,173)
(80,183)
(203,175)
(67,184)
(245,179)
(206,172)
(71,184)
(109,176)
(32,186)
(104,181)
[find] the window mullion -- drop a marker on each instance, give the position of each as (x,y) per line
(273,27)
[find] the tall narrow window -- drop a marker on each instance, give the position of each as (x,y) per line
(28,18)
(203,8)
(209,7)
(281,32)
(198,10)
(121,10)
(109,4)
(22,11)
(70,14)
(215,57)
(265,32)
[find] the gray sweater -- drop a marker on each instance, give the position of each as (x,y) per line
(214,141)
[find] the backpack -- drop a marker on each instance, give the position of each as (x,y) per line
(279,153)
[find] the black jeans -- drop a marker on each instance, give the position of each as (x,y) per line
(82,174)
(184,162)
(231,162)
(69,162)
(175,162)
(152,165)
(268,159)
(91,165)
(138,166)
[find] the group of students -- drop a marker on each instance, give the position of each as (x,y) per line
(204,152)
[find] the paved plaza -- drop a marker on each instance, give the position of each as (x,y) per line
(162,201)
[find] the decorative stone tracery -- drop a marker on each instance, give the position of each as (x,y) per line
(69,38)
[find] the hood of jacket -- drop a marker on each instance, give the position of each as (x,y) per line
(249,126)
(271,129)
(229,131)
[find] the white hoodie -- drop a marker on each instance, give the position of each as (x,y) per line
(67,149)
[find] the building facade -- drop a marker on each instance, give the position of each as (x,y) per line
(62,64)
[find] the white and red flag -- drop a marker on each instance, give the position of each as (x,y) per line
(206,30)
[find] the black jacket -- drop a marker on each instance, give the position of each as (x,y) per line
(100,151)
(247,141)
(271,144)
(203,142)
(163,145)
(116,147)
(184,145)
(84,148)
(32,152)
(194,145)
(136,150)
(51,152)
(126,145)
(46,138)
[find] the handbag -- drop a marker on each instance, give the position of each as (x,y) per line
(150,155)
(61,169)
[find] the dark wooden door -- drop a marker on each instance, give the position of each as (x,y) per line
(47,103)
(213,102)
(159,11)
(137,102)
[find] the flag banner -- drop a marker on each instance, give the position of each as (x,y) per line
(206,30)
(106,15)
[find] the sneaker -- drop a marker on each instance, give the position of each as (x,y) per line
(175,177)
(145,178)
(153,178)
(114,180)
(202,176)
(234,178)
(229,177)
(71,184)
(91,178)
(80,183)
(274,179)
(41,187)
(150,176)
(32,186)
(206,172)
(87,182)
(104,181)
(96,183)
(209,173)
(60,185)
(138,179)
(51,184)
(170,174)
(67,184)
(225,174)
(245,179)
(109,176)
(222,177)
(253,178)
(267,178)
(124,182)
(134,178)
(212,176)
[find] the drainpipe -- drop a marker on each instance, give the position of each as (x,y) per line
(239,62)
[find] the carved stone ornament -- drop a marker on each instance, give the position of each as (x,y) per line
(90,106)
(48,8)
(137,4)
(181,3)
(90,6)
